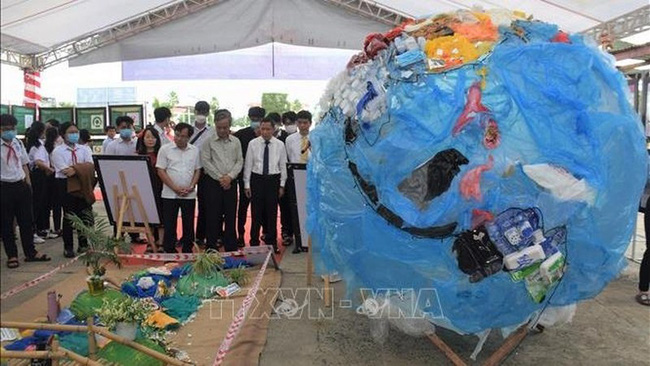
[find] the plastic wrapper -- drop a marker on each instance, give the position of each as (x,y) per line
(541,102)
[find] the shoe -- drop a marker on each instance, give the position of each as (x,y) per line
(38,239)
(296,250)
(240,242)
(82,250)
(219,243)
(276,250)
(68,254)
(334,277)
(287,240)
(52,235)
(42,234)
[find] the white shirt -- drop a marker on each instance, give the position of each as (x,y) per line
(205,136)
(161,132)
(255,159)
(12,171)
(180,166)
(107,141)
(121,147)
(38,153)
(62,158)
(294,148)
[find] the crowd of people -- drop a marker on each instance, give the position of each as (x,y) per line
(220,171)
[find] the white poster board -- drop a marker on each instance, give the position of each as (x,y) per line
(138,172)
(299,173)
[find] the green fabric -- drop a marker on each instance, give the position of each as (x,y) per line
(75,342)
(196,285)
(180,307)
(86,305)
(127,356)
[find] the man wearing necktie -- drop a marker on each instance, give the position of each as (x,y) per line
(298,151)
(16,196)
(265,172)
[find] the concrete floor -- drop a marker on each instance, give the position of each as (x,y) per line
(610,329)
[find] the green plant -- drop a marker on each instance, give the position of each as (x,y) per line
(127,311)
(101,244)
(208,263)
(239,276)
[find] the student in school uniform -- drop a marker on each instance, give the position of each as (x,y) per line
(265,172)
(64,158)
(110,132)
(16,196)
(40,170)
(54,205)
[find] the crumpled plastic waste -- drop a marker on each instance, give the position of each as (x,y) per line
(470,183)
(561,183)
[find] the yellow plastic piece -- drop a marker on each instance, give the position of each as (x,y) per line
(161,320)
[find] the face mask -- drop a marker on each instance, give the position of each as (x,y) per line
(73,138)
(291,128)
(9,135)
(255,125)
(200,119)
(126,133)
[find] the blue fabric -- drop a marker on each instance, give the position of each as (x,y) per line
(556,103)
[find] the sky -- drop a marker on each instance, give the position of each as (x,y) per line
(61,82)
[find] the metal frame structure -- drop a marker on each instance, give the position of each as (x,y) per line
(626,25)
(371,9)
(112,34)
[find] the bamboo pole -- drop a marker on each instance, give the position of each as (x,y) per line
(92,342)
(446,350)
(310,264)
(45,326)
(137,346)
(55,349)
(508,345)
(27,354)
(78,358)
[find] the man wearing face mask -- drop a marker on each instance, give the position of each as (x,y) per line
(125,145)
(202,133)
(245,136)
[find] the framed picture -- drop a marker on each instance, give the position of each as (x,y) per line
(138,172)
(93,119)
(4,109)
(25,116)
(135,111)
(298,196)
(60,114)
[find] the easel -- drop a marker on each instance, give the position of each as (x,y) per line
(123,200)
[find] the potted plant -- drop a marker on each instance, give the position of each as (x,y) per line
(101,247)
(124,316)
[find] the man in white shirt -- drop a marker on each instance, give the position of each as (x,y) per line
(222,161)
(163,118)
(298,149)
(298,146)
(202,133)
(127,142)
(179,168)
(110,137)
(15,195)
(265,173)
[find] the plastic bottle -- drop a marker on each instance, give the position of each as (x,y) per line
(495,235)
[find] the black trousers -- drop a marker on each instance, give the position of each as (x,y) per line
(170,218)
(201,216)
(242,209)
(73,206)
(54,203)
(286,218)
(40,207)
(644,271)
(264,201)
(290,192)
(221,215)
(16,202)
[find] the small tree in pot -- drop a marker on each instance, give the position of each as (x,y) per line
(102,247)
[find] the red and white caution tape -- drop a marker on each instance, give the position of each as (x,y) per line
(236,324)
(170,257)
(36,280)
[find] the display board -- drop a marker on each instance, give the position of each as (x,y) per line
(25,116)
(135,111)
(139,173)
(60,114)
(4,109)
(299,201)
(92,119)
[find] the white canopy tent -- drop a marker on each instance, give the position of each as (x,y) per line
(92,31)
